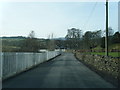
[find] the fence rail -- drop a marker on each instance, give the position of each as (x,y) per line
(13,63)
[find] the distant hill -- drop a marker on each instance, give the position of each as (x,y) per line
(22,37)
(60,38)
(13,37)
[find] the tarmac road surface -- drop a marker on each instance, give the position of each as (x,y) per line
(64,71)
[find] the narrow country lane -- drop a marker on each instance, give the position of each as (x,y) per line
(62,72)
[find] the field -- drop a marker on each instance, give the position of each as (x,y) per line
(11,44)
(113,54)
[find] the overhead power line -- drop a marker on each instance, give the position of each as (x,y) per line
(90,15)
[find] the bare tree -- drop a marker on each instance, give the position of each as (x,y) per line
(73,37)
(31,44)
(51,42)
(32,34)
(110,31)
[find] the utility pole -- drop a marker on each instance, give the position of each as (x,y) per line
(106,39)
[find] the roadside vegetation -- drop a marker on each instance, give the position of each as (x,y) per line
(112,54)
(92,42)
(23,44)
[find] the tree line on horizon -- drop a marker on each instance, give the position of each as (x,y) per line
(90,39)
(75,39)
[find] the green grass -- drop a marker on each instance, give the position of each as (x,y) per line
(113,54)
(97,48)
(115,46)
(9,48)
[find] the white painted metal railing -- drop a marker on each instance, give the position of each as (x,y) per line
(13,63)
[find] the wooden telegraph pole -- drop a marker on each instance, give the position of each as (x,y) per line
(106,39)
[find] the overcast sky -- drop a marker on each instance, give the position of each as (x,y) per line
(19,18)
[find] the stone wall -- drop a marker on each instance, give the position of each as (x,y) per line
(106,66)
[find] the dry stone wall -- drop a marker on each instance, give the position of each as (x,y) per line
(106,65)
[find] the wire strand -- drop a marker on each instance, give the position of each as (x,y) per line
(88,19)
